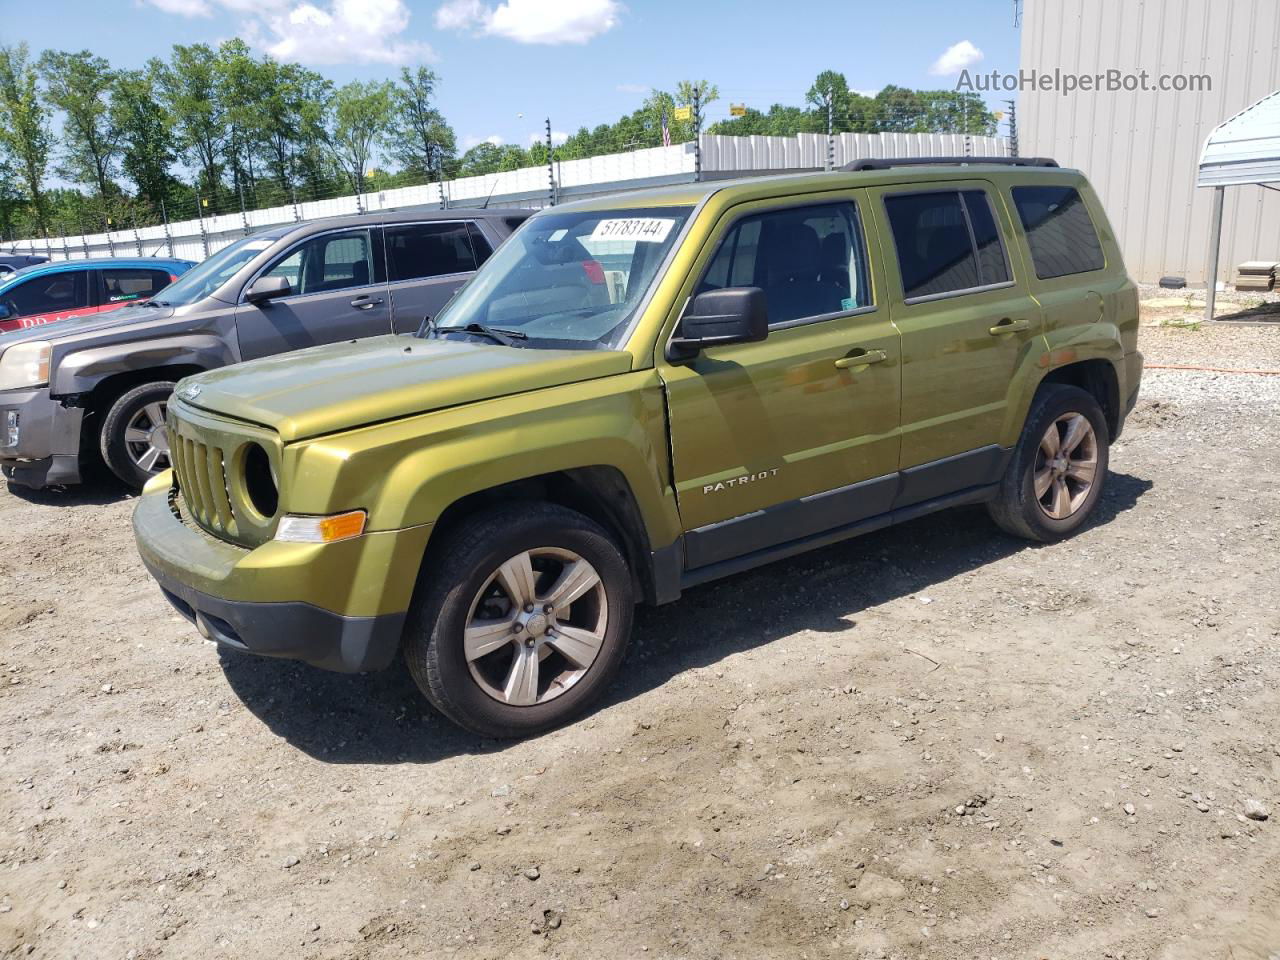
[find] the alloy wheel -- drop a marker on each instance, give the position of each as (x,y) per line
(147,439)
(1066,466)
(536,626)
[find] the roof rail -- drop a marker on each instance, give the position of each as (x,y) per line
(885,163)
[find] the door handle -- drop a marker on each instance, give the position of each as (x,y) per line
(1010,326)
(861,359)
(365,303)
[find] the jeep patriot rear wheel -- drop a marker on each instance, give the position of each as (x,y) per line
(1059,465)
(521,620)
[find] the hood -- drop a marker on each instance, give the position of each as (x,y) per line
(341,386)
(88,323)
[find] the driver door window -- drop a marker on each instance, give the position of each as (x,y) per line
(47,298)
(810,262)
(335,261)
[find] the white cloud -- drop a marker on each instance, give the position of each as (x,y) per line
(471,140)
(867,93)
(955,58)
(532,21)
(342,31)
(459,14)
(183,8)
(632,88)
(318,31)
(557,137)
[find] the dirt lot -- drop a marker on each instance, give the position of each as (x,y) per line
(933,742)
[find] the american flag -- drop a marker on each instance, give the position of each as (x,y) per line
(666,131)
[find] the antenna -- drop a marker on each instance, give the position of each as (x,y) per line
(485,205)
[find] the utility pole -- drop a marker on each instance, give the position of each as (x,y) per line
(1013,127)
(697,132)
(137,237)
(204,237)
(111,246)
(293,191)
(831,145)
(551,170)
(244,217)
(168,238)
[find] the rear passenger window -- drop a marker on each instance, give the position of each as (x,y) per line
(946,242)
(417,250)
(1059,232)
(991,260)
(123,285)
(809,261)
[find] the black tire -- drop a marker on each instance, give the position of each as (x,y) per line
(452,579)
(111,439)
(1016,509)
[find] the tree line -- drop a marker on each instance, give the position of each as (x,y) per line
(215,130)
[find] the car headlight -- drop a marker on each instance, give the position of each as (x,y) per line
(25,365)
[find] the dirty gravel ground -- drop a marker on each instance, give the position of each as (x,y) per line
(931,742)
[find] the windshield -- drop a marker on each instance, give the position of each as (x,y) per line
(569,279)
(206,277)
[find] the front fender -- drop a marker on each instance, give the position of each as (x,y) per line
(407,472)
(81,370)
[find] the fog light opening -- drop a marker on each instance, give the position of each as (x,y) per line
(260,481)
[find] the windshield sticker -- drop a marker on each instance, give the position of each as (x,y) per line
(639,229)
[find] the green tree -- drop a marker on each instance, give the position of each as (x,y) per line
(361,116)
(189,91)
(12,203)
(292,117)
(419,138)
(24,126)
(146,141)
(80,85)
(240,89)
(486,157)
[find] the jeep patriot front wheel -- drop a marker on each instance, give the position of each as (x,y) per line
(521,619)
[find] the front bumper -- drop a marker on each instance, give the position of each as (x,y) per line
(340,606)
(47,451)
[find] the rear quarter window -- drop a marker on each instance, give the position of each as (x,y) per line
(1060,233)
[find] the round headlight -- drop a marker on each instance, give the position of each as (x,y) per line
(260,482)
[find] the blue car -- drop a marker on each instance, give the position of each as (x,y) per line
(34,296)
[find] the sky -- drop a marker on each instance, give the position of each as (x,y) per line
(505,65)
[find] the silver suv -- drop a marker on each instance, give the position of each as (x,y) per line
(99,385)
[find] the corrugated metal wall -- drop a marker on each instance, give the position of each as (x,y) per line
(1141,149)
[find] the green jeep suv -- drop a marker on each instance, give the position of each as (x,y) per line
(640,393)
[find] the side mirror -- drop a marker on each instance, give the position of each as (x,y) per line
(717,317)
(265,289)
(5,312)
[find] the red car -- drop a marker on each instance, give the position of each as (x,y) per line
(70,288)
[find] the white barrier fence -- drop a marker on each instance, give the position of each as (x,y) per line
(527,187)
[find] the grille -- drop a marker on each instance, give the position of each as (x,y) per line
(202,478)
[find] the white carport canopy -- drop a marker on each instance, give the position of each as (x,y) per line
(1243,150)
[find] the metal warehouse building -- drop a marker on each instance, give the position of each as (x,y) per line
(1141,149)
